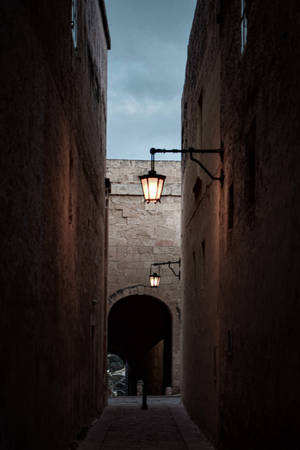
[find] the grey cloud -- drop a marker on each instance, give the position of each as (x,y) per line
(146,72)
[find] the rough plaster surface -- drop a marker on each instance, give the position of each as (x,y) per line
(53,119)
(240,325)
(141,234)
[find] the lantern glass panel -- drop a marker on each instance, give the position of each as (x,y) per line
(160,187)
(154,280)
(152,185)
(144,182)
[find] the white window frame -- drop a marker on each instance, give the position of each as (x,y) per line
(74,22)
(244,26)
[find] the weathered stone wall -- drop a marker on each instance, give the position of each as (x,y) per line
(200,222)
(240,317)
(141,234)
(53,120)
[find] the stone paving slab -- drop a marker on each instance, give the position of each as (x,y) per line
(164,425)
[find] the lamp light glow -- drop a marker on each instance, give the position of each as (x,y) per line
(152,185)
(154,280)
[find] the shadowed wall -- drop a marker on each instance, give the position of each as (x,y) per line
(241,239)
(53,131)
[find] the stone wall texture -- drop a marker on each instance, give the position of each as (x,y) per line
(241,239)
(141,234)
(53,133)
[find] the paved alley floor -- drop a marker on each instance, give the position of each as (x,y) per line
(164,425)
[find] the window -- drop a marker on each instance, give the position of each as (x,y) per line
(229,343)
(230,208)
(74,22)
(244,26)
(203,265)
(215,364)
(70,187)
(197,189)
(250,160)
(195,265)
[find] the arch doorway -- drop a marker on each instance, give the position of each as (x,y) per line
(140,331)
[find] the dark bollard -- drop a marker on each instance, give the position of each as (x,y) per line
(144,403)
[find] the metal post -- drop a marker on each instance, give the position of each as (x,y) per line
(144,403)
(152,162)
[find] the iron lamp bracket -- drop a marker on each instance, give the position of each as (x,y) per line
(191,151)
(170,266)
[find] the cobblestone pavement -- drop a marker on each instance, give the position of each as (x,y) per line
(164,425)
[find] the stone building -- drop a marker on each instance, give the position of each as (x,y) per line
(53,131)
(144,322)
(241,238)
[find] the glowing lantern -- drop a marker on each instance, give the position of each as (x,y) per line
(152,185)
(154,280)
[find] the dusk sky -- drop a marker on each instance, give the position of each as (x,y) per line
(146,74)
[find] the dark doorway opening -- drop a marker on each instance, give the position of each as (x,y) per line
(140,331)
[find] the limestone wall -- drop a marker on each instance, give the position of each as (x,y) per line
(200,221)
(241,238)
(53,144)
(141,234)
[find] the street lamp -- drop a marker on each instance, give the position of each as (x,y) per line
(154,277)
(153,183)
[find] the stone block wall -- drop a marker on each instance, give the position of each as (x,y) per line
(141,234)
(53,131)
(200,221)
(240,317)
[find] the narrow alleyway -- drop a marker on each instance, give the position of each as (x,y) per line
(124,425)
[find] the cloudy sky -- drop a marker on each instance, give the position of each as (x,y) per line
(146,74)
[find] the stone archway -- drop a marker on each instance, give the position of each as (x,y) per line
(140,329)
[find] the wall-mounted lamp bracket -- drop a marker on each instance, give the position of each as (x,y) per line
(169,264)
(191,151)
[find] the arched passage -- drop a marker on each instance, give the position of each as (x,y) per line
(140,330)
